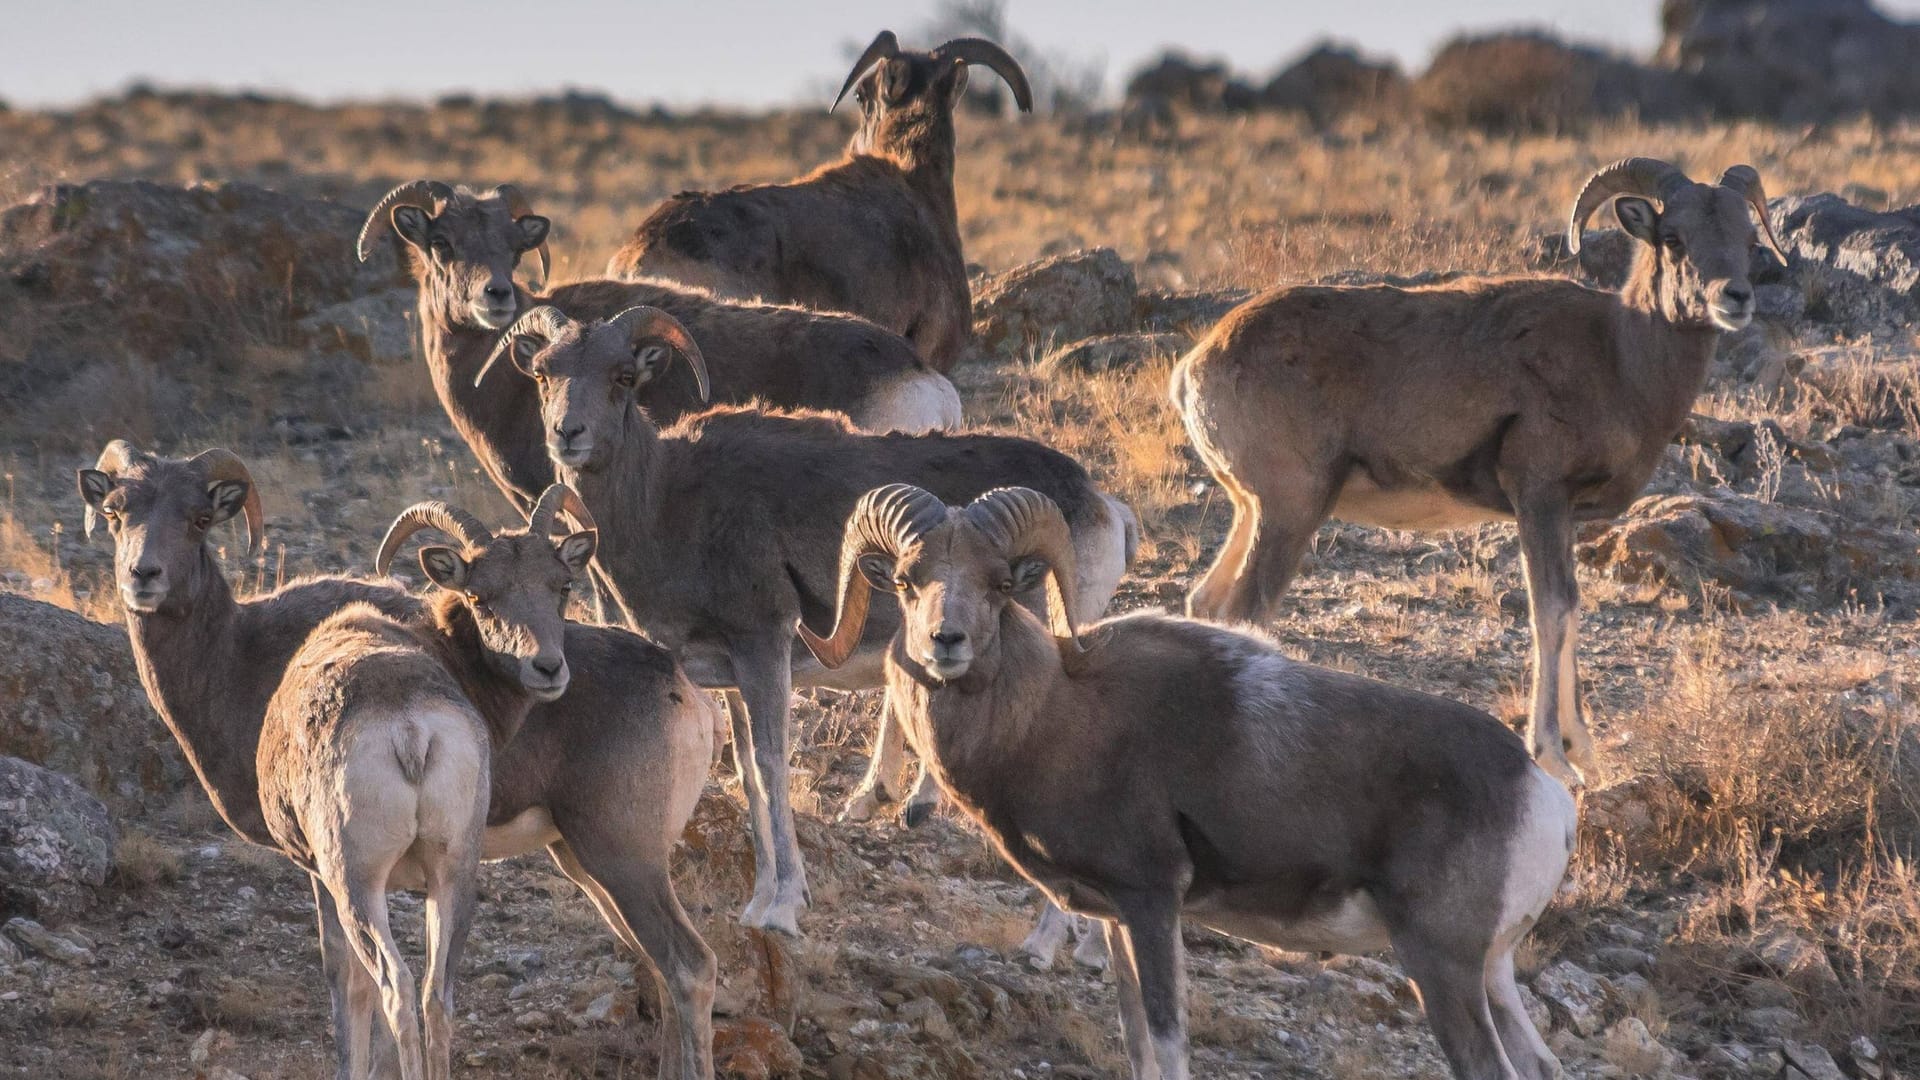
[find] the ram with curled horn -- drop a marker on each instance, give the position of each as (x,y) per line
(1533,400)
(1185,769)
(603,776)
(463,249)
(707,533)
(876,233)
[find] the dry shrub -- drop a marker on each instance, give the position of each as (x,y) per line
(140,862)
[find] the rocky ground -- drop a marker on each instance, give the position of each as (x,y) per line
(1745,903)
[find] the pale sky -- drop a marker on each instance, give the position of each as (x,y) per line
(688,52)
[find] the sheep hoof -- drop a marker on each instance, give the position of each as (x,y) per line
(1555,762)
(862,806)
(916,813)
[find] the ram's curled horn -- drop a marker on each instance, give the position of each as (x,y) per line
(518,206)
(1649,178)
(218,466)
(544,322)
(1745,180)
(1024,522)
(987,54)
(119,456)
(886,521)
(642,323)
(429,195)
(884,47)
(556,498)
(451,520)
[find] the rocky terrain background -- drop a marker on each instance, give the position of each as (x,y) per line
(176,268)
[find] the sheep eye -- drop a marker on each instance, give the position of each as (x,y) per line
(627,378)
(1675,245)
(901,584)
(474,600)
(442,249)
(1006,586)
(202,521)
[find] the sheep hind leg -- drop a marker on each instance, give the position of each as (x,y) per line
(1453,989)
(1557,732)
(1210,592)
(883,768)
(362,905)
(451,882)
(1286,522)
(1526,1050)
(350,989)
(766,689)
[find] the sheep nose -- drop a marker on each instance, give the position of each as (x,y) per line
(499,293)
(568,433)
(550,667)
(950,638)
(144,575)
(1738,294)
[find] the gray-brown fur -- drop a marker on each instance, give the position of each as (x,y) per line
(605,777)
(718,533)
(876,233)
(463,254)
(1536,400)
(1150,767)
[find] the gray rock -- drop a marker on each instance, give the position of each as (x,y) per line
(40,941)
(1331,81)
(1064,298)
(1620,960)
(1859,269)
(376,329)
(71,701)
(1805,1061)
(1111,351)
(1795,959)
(56,841)
(1796,61)
(1193,311)
(1772,1021)
(9,952)
(1577,998)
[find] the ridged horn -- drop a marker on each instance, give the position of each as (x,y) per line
(429,195)
(552,501)
(886,521)
(119,456)
(1649,178)
(544,322)
(1745,180)
(884,47)
(644,322)
(518,206)
(987,54)
(451,520)
(219,466)
(1025,522)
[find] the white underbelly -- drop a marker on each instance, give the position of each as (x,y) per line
(531,831)
(1355,926)
(1362,502)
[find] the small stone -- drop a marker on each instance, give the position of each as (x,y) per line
(9,952)
(493,980)
(1576,997)
(1866,1058)
(599,1010)
(41,941)
(1772,1021)
(520,991)
(246,894)
(533,1020)
(927,1017)
(1620,960)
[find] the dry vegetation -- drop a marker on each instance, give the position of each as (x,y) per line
(1763,762)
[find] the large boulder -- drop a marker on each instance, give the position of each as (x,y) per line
(1533,82)
(56,842)
(1331,81)
(1860,268)
(1068,297)
(1179,81)
(71,701)
(191,283)
(1797,61)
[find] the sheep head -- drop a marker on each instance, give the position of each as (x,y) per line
(513,585)
(906,95)
(1699,237)
(463,246)
(954,571)
(160,512)
(589,375)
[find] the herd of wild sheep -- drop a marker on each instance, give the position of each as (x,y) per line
(802,471)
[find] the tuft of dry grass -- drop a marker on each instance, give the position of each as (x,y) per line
(141,862)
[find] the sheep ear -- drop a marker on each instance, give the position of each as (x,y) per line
(878,570)
(1028,570)
(228,498)
(412,223)
(957,87)
(533,230)
(1638,217)
(95,486)
(525,348)
(444,567)
(893,77)
(577,550)
(651,356)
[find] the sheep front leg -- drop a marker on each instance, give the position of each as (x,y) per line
(1150,922)
(766,691)
(883,768)
(1556,731)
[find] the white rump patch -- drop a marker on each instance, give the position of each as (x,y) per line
(914,404)
(1537,855)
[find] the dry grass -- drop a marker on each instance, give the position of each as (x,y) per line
(141,862)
